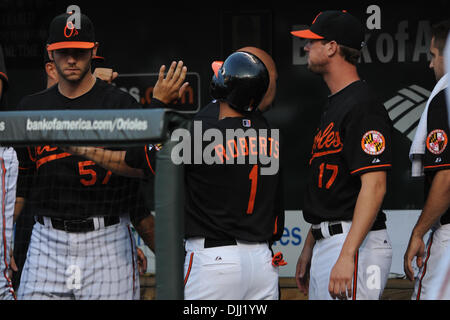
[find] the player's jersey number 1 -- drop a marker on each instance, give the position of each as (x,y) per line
(253,177)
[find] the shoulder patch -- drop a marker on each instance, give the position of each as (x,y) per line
(373,143)
(437,141)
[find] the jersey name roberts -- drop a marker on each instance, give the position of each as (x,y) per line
(234,201)
(353,138)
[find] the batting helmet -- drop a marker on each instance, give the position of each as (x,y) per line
(241,81)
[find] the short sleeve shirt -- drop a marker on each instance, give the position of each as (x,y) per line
(353,138)
(437,152)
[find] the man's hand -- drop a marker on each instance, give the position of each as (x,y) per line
(105,74)
(12,265)
(302,270)
(142,261)
(172,87)
(416,248)
(340,285)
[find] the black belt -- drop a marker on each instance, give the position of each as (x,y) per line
(212,243)
(80,225)
(336,228)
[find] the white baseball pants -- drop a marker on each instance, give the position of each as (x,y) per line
(94,265)
(9,167)
(430,276)
(372,264)
(235,272)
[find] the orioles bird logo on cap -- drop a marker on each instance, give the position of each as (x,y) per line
(71,27)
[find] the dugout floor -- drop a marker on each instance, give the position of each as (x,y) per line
(396,289)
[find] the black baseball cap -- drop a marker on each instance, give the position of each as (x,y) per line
(64,34)
(336,25)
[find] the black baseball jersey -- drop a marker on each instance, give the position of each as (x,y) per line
(437,152)
(234,201)
(62,185)
(353,137)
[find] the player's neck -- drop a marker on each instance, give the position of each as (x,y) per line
(227,112)
(340,75)
(74,90)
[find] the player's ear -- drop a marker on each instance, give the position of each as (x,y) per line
(51,71)
(50,54)
(332,48)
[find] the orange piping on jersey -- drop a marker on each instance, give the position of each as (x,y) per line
(191,259)
(370,167)
(275,229)
(324,153)
(40,162)
(355,277)
(148,160)
(437,166)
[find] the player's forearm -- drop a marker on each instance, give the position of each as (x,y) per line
(18,207)
(146,230)
(368,204)
(309,242)
(108,159)
(436,204)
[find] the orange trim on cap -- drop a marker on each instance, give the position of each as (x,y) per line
(70,44)
(306,34)
(216,65)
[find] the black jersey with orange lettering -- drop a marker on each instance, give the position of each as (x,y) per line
(437,152)
(353,137)
(233,197)
(59,184)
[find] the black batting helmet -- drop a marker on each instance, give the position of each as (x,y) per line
(241,81)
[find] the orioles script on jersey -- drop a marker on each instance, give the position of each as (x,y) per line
(326,142)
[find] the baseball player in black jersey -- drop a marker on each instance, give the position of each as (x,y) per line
(81,246)
(233,212)
(347,253)
(433,138)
